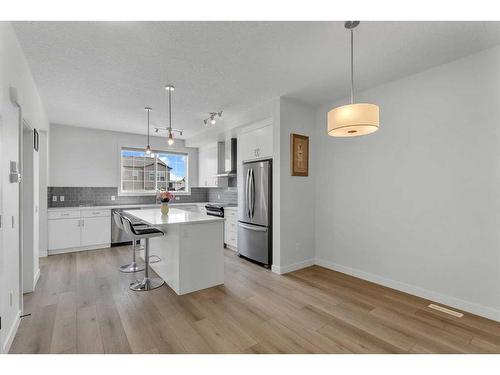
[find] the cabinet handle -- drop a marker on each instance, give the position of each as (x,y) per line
(83,222)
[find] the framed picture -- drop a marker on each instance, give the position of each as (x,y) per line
(299,154)
(36,139)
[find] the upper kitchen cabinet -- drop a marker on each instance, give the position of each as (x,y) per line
(207,165)
(256,142)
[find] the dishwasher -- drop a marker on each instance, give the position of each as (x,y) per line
(118,236)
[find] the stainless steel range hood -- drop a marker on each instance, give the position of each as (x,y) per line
(226,158)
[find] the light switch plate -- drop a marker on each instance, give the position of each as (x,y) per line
(54,198)
(61,198)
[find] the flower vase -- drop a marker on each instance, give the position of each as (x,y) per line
(164,208)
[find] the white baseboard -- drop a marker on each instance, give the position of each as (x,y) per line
(292,267)
(471,307)
(9,338)
(76,249)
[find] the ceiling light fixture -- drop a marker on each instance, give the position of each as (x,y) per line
(170,89)
(212,119)
(356,118)
(148,148)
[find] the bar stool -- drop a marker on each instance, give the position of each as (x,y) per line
(134,266)
(147,283)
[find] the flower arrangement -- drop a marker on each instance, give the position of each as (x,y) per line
(164,196)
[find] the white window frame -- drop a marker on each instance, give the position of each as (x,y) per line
(187,191)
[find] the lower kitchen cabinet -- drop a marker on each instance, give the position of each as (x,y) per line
(231,228)
(95,230)
(75,230)
(63,233)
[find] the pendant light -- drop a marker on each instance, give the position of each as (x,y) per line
(170,88)
(148,148)
(356,118)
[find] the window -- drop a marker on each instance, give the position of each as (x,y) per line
(143,174)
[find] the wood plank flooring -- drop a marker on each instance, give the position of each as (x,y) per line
(82,304)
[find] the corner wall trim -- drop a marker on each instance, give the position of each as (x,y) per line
(281,270)
(35,280)
(458,303)
(9,338)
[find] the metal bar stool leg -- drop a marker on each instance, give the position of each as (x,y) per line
(146,283)
(134,266)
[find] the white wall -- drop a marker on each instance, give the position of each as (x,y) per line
(296,194)
(30,209)
(43,155)
(91,157)
(415,206)
(14,73)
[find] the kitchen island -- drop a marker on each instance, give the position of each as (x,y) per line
(191,253)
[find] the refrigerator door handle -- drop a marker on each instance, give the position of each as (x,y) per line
(252,182)
(247,193)
(252,227)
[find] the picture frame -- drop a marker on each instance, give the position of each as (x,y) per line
(299,155)
(36,140)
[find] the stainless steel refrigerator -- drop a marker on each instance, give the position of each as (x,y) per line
(255,213)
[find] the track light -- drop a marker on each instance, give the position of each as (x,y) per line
(214,116)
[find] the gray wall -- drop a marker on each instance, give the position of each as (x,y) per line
(87,157)
(415,206)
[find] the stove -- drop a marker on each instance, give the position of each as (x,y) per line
(216,209)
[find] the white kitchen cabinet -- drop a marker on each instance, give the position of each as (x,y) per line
(207,166)
(95,231)
(231,228)
(256,143)
(75,230)
(63,233)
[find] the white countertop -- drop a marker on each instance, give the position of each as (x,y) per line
(122,206)
(154,217)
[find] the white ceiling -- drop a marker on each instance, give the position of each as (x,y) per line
(102,74)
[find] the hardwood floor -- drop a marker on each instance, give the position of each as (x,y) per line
(82,304)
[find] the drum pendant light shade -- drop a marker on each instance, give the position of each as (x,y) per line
(353,120)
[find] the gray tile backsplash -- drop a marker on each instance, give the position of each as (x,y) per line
(101,196)
(223,195)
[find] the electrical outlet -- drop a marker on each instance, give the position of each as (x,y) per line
(113,198)
(177,198)
(61,198)
(54,198)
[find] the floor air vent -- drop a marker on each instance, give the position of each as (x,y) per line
(445,310)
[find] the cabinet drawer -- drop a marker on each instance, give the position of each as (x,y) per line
(68,214)
(96,213)
(231,226)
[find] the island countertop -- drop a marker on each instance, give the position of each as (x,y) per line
(153,216)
